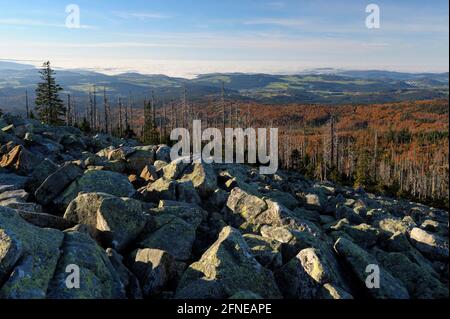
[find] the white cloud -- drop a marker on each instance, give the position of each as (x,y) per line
(266,42)
(141,15)
(37,23)
(276,21)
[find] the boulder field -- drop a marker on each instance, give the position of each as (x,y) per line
(136,225)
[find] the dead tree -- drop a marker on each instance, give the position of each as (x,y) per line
(94,110)
(90,110)
(74,112)
(131,111)
(26,104)
(105,107)
(172,116)
(222,105)
(120,118)
(153,123)
(68,111)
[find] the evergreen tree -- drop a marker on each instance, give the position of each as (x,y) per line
(85,126)
(150,132)
(49,106)
(363,177)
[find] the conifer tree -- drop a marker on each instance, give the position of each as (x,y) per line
(49,106)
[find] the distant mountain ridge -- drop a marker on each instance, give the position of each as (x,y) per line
(321,86)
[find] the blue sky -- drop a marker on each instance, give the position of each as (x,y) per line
(183,38)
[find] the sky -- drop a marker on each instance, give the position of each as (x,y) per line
(185,38)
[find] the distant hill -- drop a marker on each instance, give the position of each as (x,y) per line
(318,86)
(7,65)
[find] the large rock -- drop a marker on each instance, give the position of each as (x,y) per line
(358,259)
(283,198)
(251,213)
(20,160)
(225,269)
(121,219)
(186,193)
(173,230)
(97,182)
(19,195)
(149,173)
(266,251)
(419,282)
(120,153)
(44,220)
(139,158)
(316,201)
(154,268)
(40,173)
(362,234)
(28,257)
(429,244)
(98,278)
(12,181)
(163,153)
(54,184)
(244,206)
(161,189)
(296,283)
(174,169)
(131,283)
(203,178)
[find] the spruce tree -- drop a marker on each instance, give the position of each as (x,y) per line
(49,106)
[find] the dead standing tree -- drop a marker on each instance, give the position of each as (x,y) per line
(68,111)
(105,109)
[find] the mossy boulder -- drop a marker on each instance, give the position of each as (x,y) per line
(173,230)
(283,198)
(266,251)
(244,206)
(55,183)
(227,267)
(161,189)
(122,219)
(40,173)
(358,259)
(202,176)
(419,282)
(98,278)
(295,282)
(431,245)
(139,158)
(93,181)
(28,257)
(154,268)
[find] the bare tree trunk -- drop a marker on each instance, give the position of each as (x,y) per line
(105,106)
(74,112)
(26,104)
(68,110)
(95,111)
(222,105)
(120,118)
